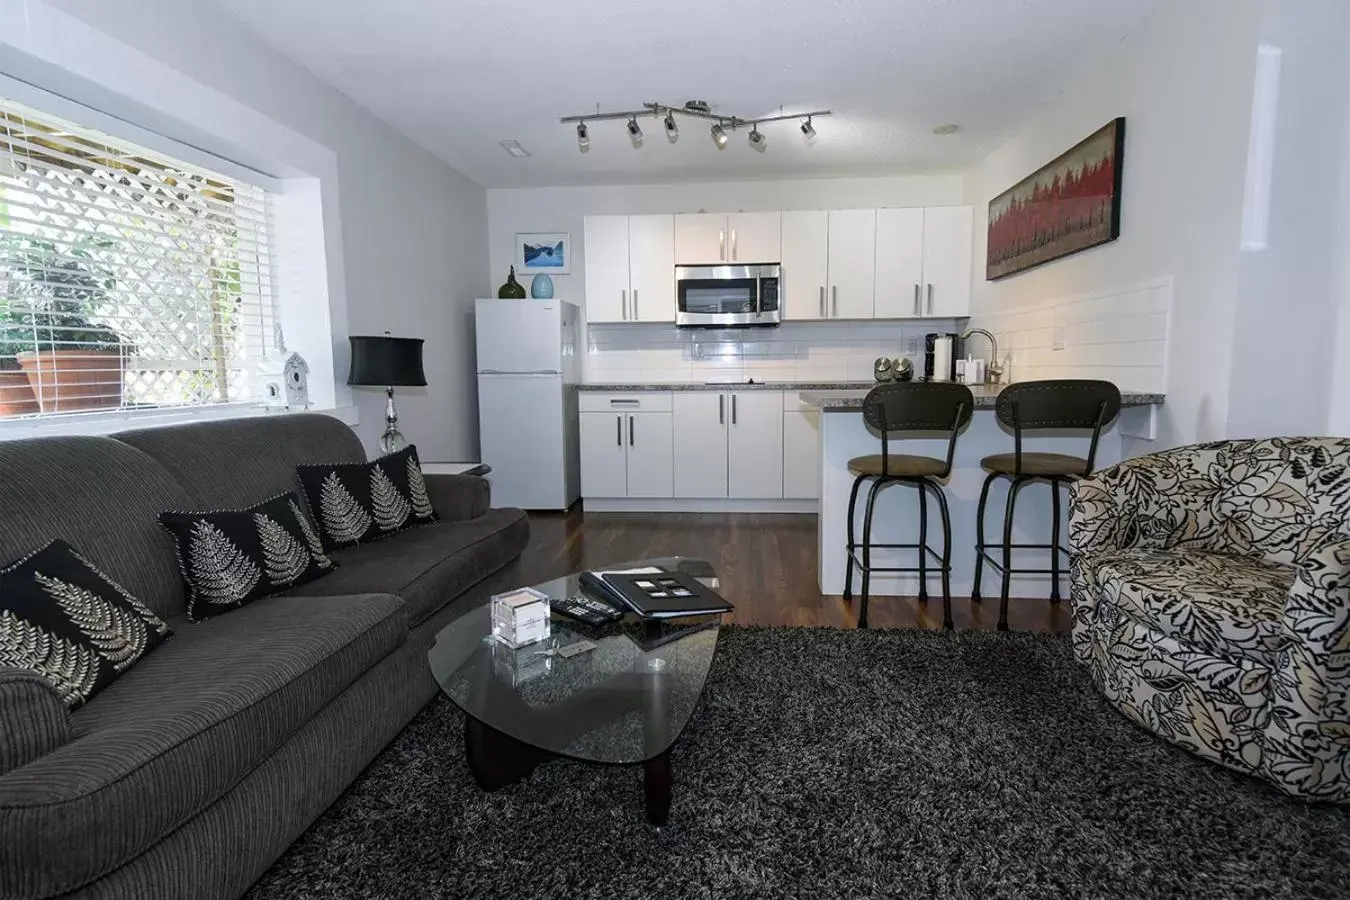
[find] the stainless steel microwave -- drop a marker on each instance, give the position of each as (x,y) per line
(728,296)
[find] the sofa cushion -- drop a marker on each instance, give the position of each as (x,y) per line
(429,566)
(1228,605)
(364,502)
(179,730)
(63,619)
(233,557)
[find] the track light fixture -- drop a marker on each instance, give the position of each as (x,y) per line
(697,109)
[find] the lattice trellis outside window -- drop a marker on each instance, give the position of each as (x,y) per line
(127,278)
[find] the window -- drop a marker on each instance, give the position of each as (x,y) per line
(128,279)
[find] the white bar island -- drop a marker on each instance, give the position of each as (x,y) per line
(844,435)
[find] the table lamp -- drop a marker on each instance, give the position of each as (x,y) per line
(387,362)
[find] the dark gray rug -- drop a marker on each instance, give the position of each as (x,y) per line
(828,763)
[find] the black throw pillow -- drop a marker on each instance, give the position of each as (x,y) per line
(366,501)
(232,557)
(74,626)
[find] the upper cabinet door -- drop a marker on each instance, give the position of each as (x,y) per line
(853,247)
(701,239)
(651,264)
(899,263)
(947,247)
(755,237)
(805,258)
(606,248)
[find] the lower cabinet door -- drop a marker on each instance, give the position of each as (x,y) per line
(801,454)
(650,454)
(604,454)
(755,445)
(701,419)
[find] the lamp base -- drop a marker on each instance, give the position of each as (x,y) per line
(392,440)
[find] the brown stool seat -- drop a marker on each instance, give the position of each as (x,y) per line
(899,464)
(1035,464)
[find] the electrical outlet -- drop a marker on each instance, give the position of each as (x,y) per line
(1057,338)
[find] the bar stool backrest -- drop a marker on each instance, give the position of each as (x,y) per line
(1058,403)
(918,406)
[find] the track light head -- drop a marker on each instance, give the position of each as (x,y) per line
(635,132)
(808,130)
(583,137)
(672,129)
(719,135)
(757,140)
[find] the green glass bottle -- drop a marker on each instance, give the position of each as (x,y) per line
(512,290)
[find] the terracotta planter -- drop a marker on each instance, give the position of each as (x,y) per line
(16,397)
(74,380)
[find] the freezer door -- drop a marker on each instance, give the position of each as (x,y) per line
(523,436)
(519,335)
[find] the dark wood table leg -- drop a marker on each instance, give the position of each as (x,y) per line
(656,778)
(496,759)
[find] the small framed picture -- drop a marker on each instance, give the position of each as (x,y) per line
(549,252)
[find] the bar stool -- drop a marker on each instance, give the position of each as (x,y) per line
(907,406)
(1035,406)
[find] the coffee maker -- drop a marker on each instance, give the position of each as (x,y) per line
(940,352)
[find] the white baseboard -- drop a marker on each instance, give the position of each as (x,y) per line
(683,505)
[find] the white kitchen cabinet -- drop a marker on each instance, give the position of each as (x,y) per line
(852,263)
(899,280)
(755,445)
(948,233)
(651,268)
(801,452)
(604,455)
(700,239)
(700,444)
(650,455)
(755,237)
(806,254)
(607,274)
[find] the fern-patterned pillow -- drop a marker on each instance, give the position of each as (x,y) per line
(74,626)
(366,501)
(231,557)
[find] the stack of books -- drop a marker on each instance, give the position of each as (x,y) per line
(654,593)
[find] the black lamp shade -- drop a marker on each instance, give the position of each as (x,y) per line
(386,361)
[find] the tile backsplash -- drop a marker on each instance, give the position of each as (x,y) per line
(793,351)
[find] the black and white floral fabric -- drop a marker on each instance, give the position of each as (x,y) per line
(1211,603)
(231,557)
(367,501)
(74,626)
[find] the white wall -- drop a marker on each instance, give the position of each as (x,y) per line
(1183,80)
(408,234)
(522,210)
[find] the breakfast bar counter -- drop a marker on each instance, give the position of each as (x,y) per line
(844,435)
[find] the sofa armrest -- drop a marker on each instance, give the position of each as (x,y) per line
(458,497)
(33,720)
(1317,611)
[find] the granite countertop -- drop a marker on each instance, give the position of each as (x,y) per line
(985,395)
(734,385)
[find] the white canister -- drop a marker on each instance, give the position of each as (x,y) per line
(942,357)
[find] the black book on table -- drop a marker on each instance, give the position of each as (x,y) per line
(660,595)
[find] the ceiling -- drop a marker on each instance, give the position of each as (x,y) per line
(459,77)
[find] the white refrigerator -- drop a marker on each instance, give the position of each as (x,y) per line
(529,365)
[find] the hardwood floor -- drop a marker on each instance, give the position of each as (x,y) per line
(767,564)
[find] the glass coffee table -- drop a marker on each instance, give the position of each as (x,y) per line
(624,703)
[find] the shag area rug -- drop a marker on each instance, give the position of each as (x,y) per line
(828,763)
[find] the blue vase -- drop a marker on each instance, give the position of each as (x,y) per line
(541,288)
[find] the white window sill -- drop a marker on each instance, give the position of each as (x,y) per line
(113,421)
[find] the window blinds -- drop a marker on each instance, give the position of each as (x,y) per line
(128,279)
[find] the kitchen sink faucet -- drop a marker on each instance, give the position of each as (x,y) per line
(992,372)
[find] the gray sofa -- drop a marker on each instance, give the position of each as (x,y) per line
(194,770)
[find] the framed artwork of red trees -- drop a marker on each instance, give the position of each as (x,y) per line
(1067,205)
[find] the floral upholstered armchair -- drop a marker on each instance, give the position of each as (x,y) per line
(1211,603)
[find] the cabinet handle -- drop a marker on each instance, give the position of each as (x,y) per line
(624,295)
(632,431)
(722,245)
(733,244)
(822,301)
(930,299)
(635,305)
(918,303)
(618,430)
(733,409)
(834,291)
(721,409)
